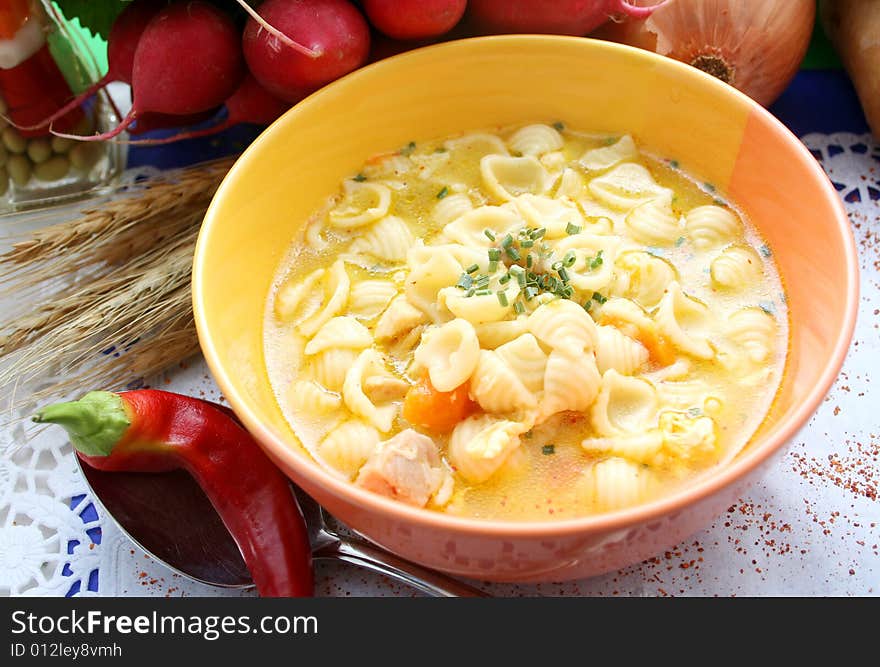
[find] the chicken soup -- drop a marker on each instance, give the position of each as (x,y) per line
(525,323)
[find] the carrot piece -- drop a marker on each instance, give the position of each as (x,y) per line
(438,411)
(661,352)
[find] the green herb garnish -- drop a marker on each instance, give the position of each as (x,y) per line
(571,229)
(408,149)
(547,450)
(443,192)
(360,178)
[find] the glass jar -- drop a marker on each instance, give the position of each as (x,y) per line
(42,66)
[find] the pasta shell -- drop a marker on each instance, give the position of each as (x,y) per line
(564,325)
(364,202)
(571,382)
(625,405)
(685,322)
(619,352)
(387,240)
(754,331)
(654,222)
(481,444)
(535,140)
(626,186)
(348,446)
(508,177)
(450,208)
(712,226)
(736,268)
(369,298)
(496,387)
(599,159)
(449,353)
(527,360)
(616,483)
(340,332)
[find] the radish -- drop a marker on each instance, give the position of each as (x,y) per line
(561,17)
(333,31)
(250,103)
(147,122)
(121,44)
(188,60)
(414,19)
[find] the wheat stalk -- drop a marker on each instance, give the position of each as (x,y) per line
(114,282)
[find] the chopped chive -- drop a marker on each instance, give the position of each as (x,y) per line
(470,292)
(493,266)
(709,187)
(563,275)
(465,281)
(408,149)
(673,164)
(571,229)
(443,192)
(599,298)
(538,233)
(507,241)
(559,125)
(547,450)
(569,259)
(502,298)
(597,261)
(530,293)
(360,178)
(504,279)
(567,292)
(526,243)
(473,268)
(529,260)
(494,254)
(588,304)
(521,279)
(552,284)
(513,253)
(556,266)
(489,234)
(519,308)
(482,281)
(765,250)
(483,292)
(679,241)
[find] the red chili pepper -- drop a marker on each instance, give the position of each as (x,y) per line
(156,431)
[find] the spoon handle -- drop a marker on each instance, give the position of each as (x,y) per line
(362,553)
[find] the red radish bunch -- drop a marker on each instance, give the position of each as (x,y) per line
(414,19)
(184,59)
(560,17)
(188,60)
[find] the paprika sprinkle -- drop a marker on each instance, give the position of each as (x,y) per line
(149,430)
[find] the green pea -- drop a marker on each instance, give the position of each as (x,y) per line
(14,141)
(4,181)
(53,169)
(19,169)
(85,154)
(39,150)
(61,145)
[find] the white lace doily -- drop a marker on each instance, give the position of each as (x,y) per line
(810,528)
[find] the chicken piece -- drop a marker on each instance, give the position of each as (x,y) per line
(406,467)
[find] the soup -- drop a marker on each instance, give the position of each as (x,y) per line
(528,323)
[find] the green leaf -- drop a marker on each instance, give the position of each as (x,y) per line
(96,16)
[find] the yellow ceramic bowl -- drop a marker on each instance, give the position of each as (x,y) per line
(716,134)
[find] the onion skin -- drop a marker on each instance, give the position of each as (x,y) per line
(853,26)
(754,45)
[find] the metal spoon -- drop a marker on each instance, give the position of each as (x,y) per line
(169,517)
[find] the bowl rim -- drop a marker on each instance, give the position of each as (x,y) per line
(704,486)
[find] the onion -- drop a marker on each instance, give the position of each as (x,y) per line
(754,45)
